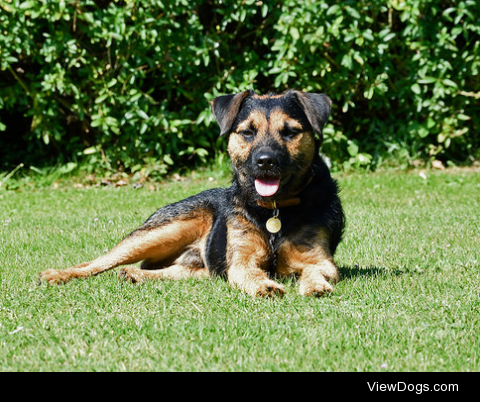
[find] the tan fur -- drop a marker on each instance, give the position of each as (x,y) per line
(268,96)
(279,119)
(301,146)
(238,148)
(247,256)
(175,272)
(313,263)
(144,244)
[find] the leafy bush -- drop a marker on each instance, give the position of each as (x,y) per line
(120,84)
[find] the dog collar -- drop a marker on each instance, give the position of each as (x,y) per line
(291,202)
(279,204)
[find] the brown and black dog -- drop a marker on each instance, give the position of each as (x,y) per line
(281,216)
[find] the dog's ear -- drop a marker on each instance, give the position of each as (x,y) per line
(317,108)
(225,109)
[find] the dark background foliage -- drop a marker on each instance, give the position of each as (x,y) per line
(123,84)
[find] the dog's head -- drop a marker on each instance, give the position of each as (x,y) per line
(272,141)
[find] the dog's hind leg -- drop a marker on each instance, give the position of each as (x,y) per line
(153,243)
(191,264)
(175,272)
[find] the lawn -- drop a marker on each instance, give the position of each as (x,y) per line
(409,299)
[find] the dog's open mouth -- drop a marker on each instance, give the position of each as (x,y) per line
(267,186)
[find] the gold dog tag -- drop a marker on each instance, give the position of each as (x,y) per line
(273,224)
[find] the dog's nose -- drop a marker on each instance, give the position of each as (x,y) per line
(266,160)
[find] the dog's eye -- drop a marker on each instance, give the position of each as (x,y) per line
(290,133)
(248,134)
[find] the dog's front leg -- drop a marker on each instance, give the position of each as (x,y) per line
(312,261)
(248,256)
(313,278)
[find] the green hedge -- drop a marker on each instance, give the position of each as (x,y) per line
(120,84)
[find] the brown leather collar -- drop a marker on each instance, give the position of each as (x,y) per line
(279,204)
(291,202)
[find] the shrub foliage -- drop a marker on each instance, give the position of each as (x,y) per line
(124,83)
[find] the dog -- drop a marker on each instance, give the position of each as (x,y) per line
(281,216)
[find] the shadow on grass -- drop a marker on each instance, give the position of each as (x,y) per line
(359,272)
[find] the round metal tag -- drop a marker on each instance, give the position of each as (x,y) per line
(274,225)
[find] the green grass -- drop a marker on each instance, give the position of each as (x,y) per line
(409,299)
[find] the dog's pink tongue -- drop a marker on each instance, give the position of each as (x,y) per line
(267,187)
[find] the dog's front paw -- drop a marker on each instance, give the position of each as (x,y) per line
(315,287)
(53,277)
(132,274)
(267,288)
